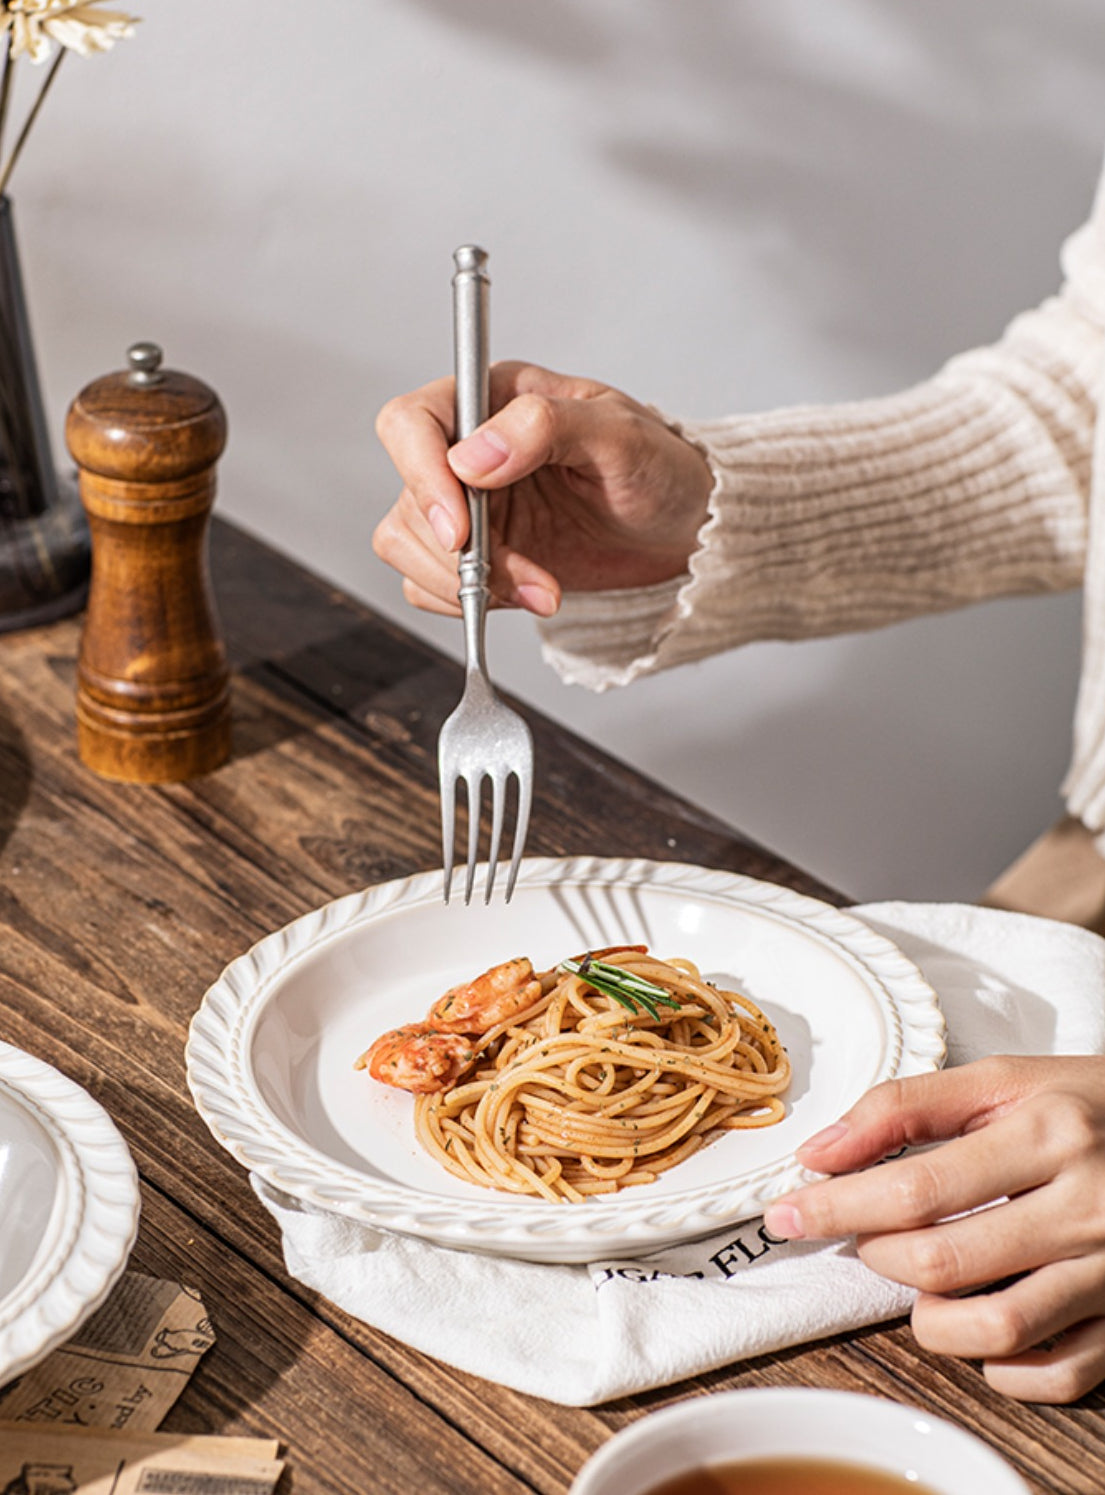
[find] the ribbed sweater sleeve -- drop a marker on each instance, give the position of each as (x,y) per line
(827,519)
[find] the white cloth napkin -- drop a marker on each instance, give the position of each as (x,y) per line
(1008,983)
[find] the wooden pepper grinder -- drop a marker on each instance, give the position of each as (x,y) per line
(152,682)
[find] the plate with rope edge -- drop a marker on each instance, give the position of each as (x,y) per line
(68,1208)
(272,1047)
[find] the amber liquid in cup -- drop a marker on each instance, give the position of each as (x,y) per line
(789,1477)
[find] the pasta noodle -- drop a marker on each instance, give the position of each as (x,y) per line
(575,1096)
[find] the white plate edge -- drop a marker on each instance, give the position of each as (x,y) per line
(95,1243)
(225,1104)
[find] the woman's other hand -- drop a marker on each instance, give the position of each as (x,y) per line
(588,490)
(1027,1139)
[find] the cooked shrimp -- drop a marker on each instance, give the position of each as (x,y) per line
(495,997)
(419,1058)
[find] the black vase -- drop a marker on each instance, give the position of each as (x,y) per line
(44,543)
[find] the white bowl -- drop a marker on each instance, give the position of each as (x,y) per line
(796,1423)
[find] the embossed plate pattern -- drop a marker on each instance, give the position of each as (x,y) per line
(68,1208)
(271,1050)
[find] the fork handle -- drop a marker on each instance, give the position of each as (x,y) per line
(471,285)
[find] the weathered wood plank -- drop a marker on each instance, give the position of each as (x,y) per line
(395,691)
(277,1370)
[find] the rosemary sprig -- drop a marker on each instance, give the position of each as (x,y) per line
(633,992)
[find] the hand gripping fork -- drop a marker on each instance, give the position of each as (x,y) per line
(483,738)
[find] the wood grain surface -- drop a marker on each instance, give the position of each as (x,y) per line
(121,903)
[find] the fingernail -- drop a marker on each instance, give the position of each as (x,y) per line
(442,525)
(825,1138)
(784,1220)
(537,600)
(479,454)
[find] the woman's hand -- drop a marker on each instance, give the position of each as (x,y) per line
(588,490)
(1029,1133)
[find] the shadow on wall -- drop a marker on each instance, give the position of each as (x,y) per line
(876,155)
(903,764)
(874,150)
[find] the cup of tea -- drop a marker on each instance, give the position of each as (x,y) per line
(795,1441)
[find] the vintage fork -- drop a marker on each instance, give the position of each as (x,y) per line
(483,738)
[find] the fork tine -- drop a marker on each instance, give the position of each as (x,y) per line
(521,825)
(448,791)
(474,782)
(498,798)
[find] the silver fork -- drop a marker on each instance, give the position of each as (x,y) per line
(483,738)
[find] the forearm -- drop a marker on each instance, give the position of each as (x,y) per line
(828,519)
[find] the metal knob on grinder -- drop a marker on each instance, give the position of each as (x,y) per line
(153,700)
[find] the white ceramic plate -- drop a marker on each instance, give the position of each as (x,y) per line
(68,1208)
(271,1051)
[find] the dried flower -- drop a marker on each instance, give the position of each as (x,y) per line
(79,25)
(30,28)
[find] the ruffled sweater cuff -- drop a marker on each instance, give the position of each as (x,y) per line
(828,519)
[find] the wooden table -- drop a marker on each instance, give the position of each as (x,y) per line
(120,905)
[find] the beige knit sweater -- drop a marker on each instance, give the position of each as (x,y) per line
(986,480)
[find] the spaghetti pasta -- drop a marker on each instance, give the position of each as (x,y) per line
(574,1096)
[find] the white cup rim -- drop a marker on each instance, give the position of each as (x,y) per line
(668,1432)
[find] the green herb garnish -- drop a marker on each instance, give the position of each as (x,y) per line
(633,992)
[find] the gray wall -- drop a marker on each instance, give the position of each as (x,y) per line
(718,206)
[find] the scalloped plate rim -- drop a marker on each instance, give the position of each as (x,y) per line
(92,1228)
(232,1006)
